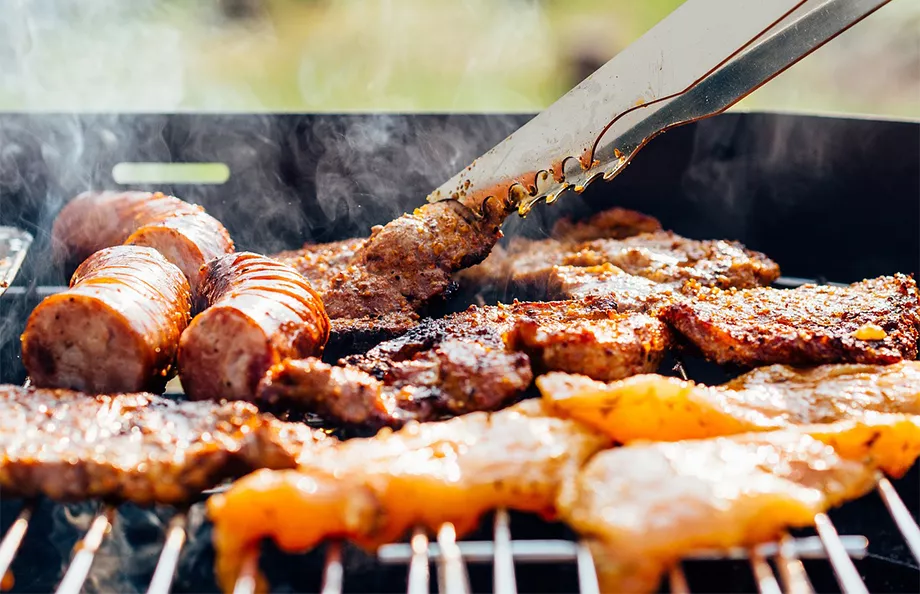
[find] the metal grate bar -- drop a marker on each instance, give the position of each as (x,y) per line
(791,570)
(678,580)
(249,572)
(902,516)
(13,539)
(847,576)
(169,556)
(419,578)
(452,577)
(587,572)
(503,581)
(86,551)
(333,572)
(763,573)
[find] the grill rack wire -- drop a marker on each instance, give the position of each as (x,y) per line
(452,555)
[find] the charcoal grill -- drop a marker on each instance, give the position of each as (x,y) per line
(784,184)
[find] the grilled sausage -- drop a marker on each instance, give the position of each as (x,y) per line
(259,312)
(182,232)
(116,329)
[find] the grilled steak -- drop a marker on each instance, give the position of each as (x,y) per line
(185,234)
(136,447)
(659,408)
(116,329)
(873,321)
(257,312)
(478,359)
(374,490)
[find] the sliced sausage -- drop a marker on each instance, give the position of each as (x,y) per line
(116,329)
(182,232)
(258,312)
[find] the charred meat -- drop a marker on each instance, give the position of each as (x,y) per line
(873,321)
(136,447)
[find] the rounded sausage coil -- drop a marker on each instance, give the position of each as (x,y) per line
(256,313)
(184,233)
(116,329)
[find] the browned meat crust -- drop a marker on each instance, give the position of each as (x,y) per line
(873,321)
(115,329)
(401,267)
(184,233)
(577,259)
(257,312)
(479,359)
(137,447)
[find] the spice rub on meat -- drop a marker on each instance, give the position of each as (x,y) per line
(873,321)
(374,490)
(479,359)
(136,447)
(579,259)
(660,408)
(377,285)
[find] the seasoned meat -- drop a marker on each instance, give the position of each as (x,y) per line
(373,490)
(658,408)
(577,260)
(873,321)
(401,267)
(646,506)
(257,312)
(479,359)
(184,233)
(116,329)
(136,447)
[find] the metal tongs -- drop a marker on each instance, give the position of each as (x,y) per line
(699,61)
(14,243)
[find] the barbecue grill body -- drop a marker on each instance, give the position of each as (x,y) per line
(828,198)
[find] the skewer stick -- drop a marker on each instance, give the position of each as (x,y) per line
(249,570)
(763,573)
(86,551)
(847,576)
(332,571)
(677,580)
(418,563)
(169,557)
(452,577)
(902,516)
(791,570)
(13,538)
(587,572)
(503,581)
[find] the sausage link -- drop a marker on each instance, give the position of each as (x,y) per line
(116,329)
(258,313)
(183,232)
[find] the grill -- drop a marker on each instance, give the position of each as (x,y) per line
(783,184)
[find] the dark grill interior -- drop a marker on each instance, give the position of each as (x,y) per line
(828,198)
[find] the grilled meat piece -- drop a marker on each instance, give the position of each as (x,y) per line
(401,267)
(873,321)
(184,233)
(658,408)
(579,259)
(136,447)
(115,329)
(646,506)
(257,312)
(373,490)
(479,359)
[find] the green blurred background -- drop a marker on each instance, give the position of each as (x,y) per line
(396,55)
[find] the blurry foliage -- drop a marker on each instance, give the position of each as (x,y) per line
(402,55)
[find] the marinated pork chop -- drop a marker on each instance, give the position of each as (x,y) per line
(646,506)
(374,490)
(479,359)
(659,408)
(873,321)
(137,447)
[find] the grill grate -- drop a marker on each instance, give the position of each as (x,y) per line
(503,552)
